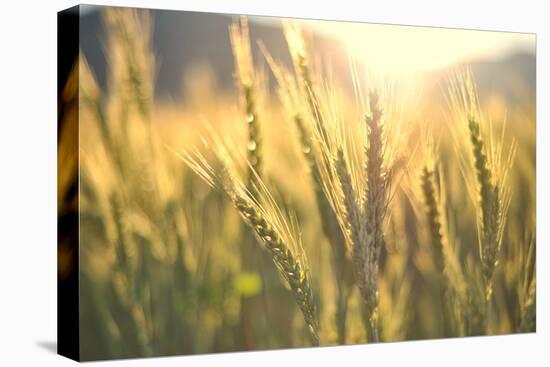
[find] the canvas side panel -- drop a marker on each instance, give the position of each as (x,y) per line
(68,184)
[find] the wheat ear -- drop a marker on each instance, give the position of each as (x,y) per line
(490,204)
(434,220)
(433,217)
(375,205)
(269,224)
(285,260)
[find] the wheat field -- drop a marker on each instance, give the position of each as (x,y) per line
(296,212)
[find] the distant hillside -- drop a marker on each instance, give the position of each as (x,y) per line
(513,77)
(183,40)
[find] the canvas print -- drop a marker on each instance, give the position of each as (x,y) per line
(235,183)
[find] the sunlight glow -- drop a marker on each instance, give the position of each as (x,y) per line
(407,49)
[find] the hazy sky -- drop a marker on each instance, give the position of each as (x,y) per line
(404,49)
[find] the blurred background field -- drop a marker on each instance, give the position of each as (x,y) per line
(168,267)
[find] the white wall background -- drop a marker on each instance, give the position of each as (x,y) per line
(28,182)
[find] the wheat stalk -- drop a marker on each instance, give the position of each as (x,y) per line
(529,309)
(288,264)
(270,225)
(486,174)
(295,92)
(435,224)
(433,217)
(352,211)
(240,41)
(490,203)
(375,205)
(131,58)
(295,40)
